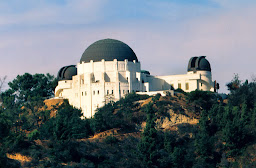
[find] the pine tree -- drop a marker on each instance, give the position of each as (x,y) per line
(233,134)
(147,146)
(204,143)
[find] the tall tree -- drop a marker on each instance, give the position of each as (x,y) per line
(24,98)
(204,143)
(66,125)
(147,146)
(27,85)
(234,134)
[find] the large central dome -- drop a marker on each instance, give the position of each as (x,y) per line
(108,49)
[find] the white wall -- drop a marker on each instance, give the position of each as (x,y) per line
(93,85)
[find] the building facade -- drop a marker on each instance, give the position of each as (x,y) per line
(109,69)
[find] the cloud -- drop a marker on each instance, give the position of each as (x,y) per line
(45,13)
(163,41)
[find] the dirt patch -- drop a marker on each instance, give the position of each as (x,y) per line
(19,157)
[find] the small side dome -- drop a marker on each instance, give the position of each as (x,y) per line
(66,73)
(199,63)
(203,64)
(192,63)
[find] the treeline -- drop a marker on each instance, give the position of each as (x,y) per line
(222,138)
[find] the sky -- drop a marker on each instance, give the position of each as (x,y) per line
(44,35)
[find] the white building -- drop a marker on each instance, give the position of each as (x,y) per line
(109,69)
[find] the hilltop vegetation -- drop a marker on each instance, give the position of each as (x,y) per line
(136,131)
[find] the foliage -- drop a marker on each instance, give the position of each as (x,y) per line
(225,132)
(204,143)
(242,93)
(23,101)
(66,125)
(111,140)
(27,86)
(147,146)
(180,91)
(203,99)
(33,135)
(118,114)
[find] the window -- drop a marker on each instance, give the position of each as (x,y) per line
(82,93)
(98,92)
(107,92)
(123,91)
(187,86)
(127,91)
(201,84)
(112,92)
(179,85)
(85,93)
(94,92)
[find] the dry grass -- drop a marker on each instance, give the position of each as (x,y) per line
(19,157)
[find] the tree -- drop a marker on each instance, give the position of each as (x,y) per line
(147,146)
(234,84)
(234,134)
(66,125)
(27,86)
(203,99)
(23,101)
(242,93)
(204,144)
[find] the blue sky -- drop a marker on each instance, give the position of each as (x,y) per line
(42,36)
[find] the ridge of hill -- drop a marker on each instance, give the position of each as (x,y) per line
(116,135)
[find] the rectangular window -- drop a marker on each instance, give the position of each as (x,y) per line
(94,92)
(179,85)
(85,93)
(187,86)
(107,92)
(98,92)
(112,91)
(82,93)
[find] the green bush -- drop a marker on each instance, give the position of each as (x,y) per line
(111,140)
(33,135)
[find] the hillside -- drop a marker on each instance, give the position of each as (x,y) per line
(172,112)
(185,130)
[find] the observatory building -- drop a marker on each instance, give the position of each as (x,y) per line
(109,69)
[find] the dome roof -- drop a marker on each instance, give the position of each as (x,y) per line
(66,72)
(199,63)
(108,49)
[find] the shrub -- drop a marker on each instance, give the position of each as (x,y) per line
(33,135)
